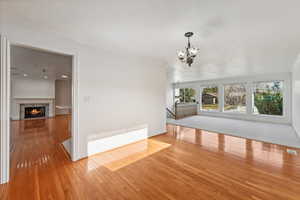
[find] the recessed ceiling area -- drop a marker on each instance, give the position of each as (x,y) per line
(234,37)
(37,64)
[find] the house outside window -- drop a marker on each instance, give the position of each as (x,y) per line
(209,99)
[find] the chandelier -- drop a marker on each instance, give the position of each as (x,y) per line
(188,55)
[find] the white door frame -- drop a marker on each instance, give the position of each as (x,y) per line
(5,106)
(4,109)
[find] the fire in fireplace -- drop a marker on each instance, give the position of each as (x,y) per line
(34,112)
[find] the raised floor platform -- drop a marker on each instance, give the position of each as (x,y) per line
(261,131)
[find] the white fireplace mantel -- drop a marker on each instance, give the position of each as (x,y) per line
(15,105)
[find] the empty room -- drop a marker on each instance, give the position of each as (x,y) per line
(174,100)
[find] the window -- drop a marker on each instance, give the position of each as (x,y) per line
(185,95)
(235,98)
(177,95)
(210,98)
(268,98)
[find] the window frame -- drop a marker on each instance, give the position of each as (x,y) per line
(200,98)
(249,81)
(182,103)
(284,101)
(247,94)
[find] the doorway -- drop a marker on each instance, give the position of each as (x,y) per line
(43,115)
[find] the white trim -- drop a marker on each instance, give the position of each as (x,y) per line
(67,145)
(4,109)
(75,116)
(245,85)
(75,126)
(221,97)
(116,139)
(200,98)
(249,101)
(284,94)
(5,105)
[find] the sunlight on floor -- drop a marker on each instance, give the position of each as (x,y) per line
(128,154)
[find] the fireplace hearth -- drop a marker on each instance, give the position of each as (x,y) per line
(35,112)
(32,111)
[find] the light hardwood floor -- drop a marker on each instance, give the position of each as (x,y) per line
(197,165)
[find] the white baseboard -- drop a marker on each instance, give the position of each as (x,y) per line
(116,139)
(67,145)
(14,118)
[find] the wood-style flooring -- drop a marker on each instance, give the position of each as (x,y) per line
(197,165)
(118,158)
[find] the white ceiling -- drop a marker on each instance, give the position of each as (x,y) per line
(235,37)
(31,63)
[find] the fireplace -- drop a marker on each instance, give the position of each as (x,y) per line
(31,111)
(35,112)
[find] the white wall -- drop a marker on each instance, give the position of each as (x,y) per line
(33,88)
(169,92)
(63,97)
(116,92)
(296,96)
